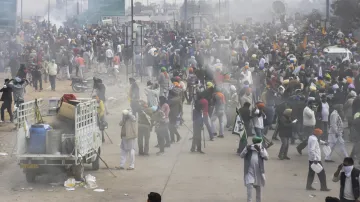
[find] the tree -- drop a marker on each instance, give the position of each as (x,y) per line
(348,13)
(137,8)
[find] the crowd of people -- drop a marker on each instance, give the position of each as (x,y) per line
(273,76)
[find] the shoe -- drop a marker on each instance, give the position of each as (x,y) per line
(310,189)
(141,154)
(172,142)
(178,139)
(167,145)
(159,153)
(299,151)
(192,150)
(326,189)
(220,136)
(201,152)
(286,158)
(281,158)
(146,154)
(129,168)
(214,134)
(329,161)
(119,168)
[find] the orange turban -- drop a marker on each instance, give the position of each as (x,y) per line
(227,77)
(349,80)
(176,84)
(318,131)
(260,105)
(191,70)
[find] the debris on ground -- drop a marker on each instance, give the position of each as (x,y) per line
(90,182)
(99,190)
(70,183)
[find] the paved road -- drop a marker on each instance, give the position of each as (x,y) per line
(216,176)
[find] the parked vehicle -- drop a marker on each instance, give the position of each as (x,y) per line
(41,149)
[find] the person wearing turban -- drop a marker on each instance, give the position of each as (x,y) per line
(309,122)
(258,119)
(128,134)
(336,131)
(254,167)
(315,158)
(164,82)
(285,132)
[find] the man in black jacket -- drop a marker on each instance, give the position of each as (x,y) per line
(349,181)
(6,97)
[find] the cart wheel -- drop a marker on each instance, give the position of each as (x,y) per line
(30,177)
(96,163)
(79,172)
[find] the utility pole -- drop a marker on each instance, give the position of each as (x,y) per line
(185,15)
(219,10)
(21,10)
(49,14)
(132,36)
(66,11)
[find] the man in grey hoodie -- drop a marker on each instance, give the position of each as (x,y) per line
(309,123)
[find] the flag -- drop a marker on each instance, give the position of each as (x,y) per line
(239,129)
(276,46)
(323,31)
(304,43)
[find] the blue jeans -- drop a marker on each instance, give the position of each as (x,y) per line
(259,132)
(208,126)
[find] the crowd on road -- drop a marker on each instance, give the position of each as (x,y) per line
(296,78)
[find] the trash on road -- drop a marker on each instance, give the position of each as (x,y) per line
(90,182)
(70,183)
(99,190)
(70,189)
(312,195)
(55,184)
(126,194)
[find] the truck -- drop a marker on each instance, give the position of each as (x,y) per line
(86,141)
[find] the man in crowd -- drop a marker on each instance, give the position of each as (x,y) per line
(128,135)
(254,168)
(349,178)
(314,153)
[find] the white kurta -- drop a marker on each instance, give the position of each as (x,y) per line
(254,175)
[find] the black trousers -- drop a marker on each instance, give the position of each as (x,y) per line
(311,175)
(285,141)
(37,78)
(161,133)
(52,79)
(143,139)
(196,141)
(6,105)
(345,200)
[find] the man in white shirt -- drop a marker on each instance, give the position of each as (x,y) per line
(336,132)
(109,57)
(314,153)
(349,181)
(309,122)
(324,109)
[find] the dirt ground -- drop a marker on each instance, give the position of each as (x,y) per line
(179,175)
